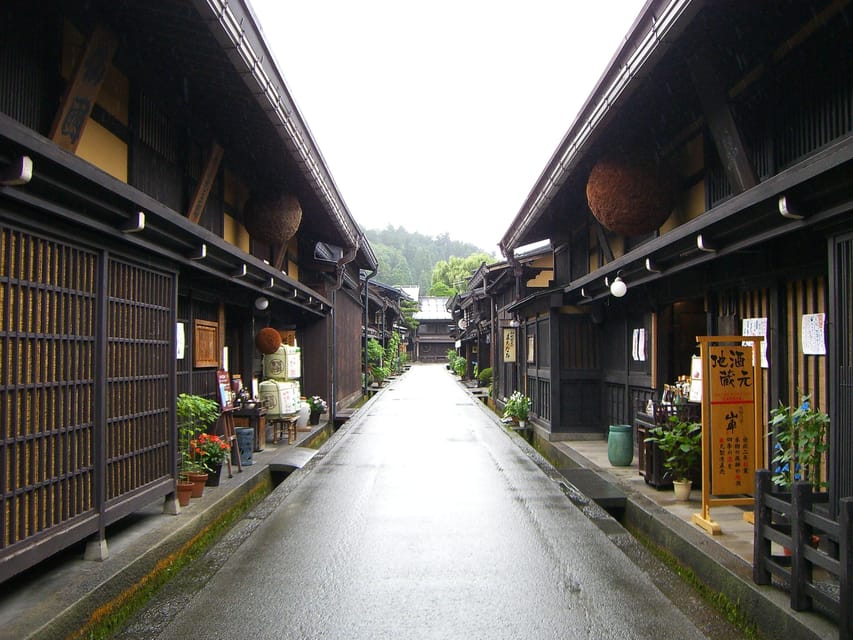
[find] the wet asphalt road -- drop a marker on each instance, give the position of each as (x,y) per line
(427,521)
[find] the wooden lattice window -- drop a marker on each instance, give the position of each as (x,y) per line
(48,311)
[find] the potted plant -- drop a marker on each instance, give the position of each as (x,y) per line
(681,442)
(210,452)
(485,377)
(195,415)
(518,407)
(800,444)
(316,406)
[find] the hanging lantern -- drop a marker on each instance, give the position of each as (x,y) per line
(273,219)
(629,195)
(268,340)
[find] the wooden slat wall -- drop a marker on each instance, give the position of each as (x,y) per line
(807,374)
(348,315)
(756,304)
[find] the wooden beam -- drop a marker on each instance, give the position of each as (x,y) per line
(603,244)
(724,130)
(205,183)
(79,99)
(280,256)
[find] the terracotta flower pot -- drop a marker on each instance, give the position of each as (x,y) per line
(198,480)
(184,491)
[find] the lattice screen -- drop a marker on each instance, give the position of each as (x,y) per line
(48,298)
(139,358)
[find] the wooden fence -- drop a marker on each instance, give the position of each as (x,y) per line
(796,522)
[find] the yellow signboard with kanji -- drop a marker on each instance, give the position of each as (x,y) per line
(732,423)
(732,401)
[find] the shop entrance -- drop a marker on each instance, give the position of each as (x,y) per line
(687,319)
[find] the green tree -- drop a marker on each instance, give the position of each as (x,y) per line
(394,268)
(455,272)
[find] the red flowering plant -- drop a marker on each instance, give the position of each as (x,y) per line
(209,450)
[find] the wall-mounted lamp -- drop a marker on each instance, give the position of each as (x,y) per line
(262,303)
(618,288)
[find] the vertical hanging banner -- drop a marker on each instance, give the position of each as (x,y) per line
(732,423)
(509,345)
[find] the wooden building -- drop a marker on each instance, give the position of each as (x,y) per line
(482,322)
(161,201)
(711,172)
(432,338)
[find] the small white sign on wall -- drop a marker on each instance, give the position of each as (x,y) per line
(813,334)
(180,341)
(756,327)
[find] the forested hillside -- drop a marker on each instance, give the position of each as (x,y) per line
(408,258)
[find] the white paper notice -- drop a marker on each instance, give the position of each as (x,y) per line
(635,351)
(756,327)
(813,337)
(180,341)
(641,344)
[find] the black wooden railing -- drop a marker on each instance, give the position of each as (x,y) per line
(795,522)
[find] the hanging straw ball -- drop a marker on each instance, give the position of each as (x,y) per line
(272,219)
(268,340)
(630,196)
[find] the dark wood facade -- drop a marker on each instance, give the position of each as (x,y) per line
(125,263)
(750,111)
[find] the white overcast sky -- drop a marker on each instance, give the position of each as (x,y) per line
(439,116)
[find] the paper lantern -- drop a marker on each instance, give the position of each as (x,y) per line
(268,340)
(630,196)
(272,219)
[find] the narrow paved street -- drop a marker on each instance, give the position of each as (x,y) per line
(427,521)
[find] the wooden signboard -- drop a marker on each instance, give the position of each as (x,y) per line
(732,425)
(224,385)
(509,345)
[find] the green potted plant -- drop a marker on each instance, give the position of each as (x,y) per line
(485,377)
(800,444)
(681,442)
(195,415)
(517,407)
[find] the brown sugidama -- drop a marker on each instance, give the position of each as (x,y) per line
(630,195)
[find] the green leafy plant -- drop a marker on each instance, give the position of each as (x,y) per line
(459,366)
(517,406)
(392,352)
(195,415)
(681,443)
(485,377)
(800,444)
